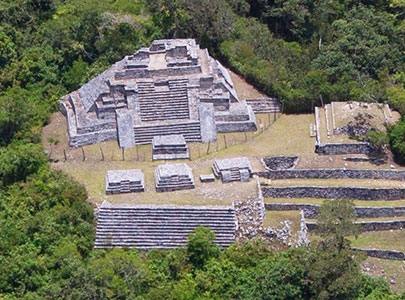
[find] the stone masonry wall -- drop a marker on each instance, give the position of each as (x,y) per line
(333,173)
(334,192)
(336,149)
(372,226)
(311,210)
(384,254)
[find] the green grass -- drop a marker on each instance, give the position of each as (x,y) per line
(386,240)
(386,269)
(274,219)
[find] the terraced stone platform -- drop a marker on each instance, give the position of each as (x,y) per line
(233,169)
(171,87)
(124,181)
(173,177)
(160,227)
(169,147)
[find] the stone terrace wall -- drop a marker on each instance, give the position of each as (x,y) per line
(372,226)
(334,192)
(337,148)
(311,210)
(384,254)
(333,173)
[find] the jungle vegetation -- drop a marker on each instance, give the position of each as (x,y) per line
(299,51)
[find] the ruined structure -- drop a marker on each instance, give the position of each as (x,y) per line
(124,181)
(173,177)
(169,147)
(160,227)
(233,169)
(172,87)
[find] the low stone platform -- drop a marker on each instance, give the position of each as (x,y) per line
(169,147)
(207,178)
(161,227)
(173,177)
(124,181)
(234,169)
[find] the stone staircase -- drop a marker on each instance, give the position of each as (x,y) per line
(235,169)
(160,105)
(125,187)
(145,87)
(161,227)
(191,131)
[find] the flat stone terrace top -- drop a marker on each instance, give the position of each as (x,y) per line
(232,163)
(117,176)
(169,170)
(169,140)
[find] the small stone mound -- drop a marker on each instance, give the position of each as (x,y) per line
(124,181)
(280,162)
(234,169)
(169,147)
(173,177)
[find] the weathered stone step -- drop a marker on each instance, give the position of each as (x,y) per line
(151,226)
(160,227)
(190,131)
(189,210)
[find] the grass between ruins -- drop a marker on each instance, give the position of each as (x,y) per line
(387,269)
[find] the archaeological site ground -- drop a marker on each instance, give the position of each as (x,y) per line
(168,139)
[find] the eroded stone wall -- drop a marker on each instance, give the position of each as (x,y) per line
(311,210)
(372,225)
(337,148)
(333,173)
(334,192)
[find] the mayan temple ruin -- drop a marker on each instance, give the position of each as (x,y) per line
(172,87)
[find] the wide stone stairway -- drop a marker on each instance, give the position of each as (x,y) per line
(161,227)
(165,104)
(191,130)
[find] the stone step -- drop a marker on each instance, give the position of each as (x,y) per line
(172,93)
(181,112)
(166,216)
(162,214)
(190,131)
(156,233)
(152,245)
(168,209)
(147,228)
(155,239)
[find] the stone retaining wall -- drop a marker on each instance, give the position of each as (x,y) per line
(337,148)
(334,192)
(372,226)
(333,173)
(384,254)
(311,210)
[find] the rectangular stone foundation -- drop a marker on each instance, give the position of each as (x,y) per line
(234,169)
(169,147)
(173,177)
(124,181)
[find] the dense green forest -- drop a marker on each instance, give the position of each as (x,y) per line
(299,51)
